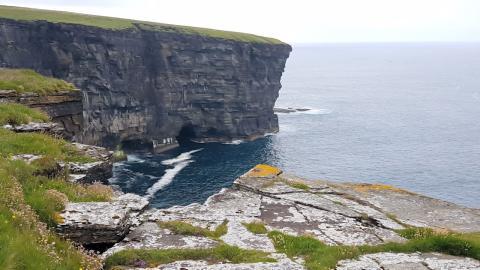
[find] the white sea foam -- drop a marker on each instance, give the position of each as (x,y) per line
(133,158)
(182,157)
(178,163)
(314,111)
(235,142)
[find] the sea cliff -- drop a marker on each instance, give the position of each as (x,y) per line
(144,83)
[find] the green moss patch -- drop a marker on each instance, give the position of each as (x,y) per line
(319,256)
(256,227)
(16,114)
(29,14)
(184,228)
(152,258)
(25,80)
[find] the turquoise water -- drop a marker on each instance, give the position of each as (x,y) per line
(400,114)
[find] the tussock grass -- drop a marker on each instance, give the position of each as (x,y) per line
(184,228)
(12,143)
(298,185)
(25,241)
(29,14)
(17,114)
(319,256)
(152,258)
(25,80)
(256,227)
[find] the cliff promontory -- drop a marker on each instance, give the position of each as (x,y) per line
(146,82)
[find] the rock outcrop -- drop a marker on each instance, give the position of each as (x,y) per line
(64,108)
(142,85)
(335,214)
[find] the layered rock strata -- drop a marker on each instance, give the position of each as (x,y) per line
(64,108)
(143,85)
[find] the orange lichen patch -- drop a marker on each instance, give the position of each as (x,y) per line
(376,187)
(263,170)
(57,217)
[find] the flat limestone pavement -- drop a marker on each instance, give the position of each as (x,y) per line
(336,214)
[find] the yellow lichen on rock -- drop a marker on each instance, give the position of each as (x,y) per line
(376,187)
(264,170)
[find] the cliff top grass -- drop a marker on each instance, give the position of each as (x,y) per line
(29,14)
(17,114)
(26,80)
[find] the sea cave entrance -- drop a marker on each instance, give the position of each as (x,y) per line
(186,134)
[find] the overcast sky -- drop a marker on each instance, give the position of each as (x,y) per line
(300,21)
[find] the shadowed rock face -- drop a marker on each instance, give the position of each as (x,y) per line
(139,84)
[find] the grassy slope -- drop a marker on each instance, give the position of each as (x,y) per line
(31,197)
(25,80)
(15,114)
(29,14)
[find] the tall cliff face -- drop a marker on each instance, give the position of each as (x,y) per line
(140,84)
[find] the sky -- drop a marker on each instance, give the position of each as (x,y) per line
(300,21)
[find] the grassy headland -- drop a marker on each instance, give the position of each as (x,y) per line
(26,80)
(29,14)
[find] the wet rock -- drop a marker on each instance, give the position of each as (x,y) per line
(100,222)
(414,261)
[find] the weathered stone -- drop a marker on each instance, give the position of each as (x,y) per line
(99,170)
(100,222)
(54,129)
(63,107)
(150,236)
(28,158)
(414,261)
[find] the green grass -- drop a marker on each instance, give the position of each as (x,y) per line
(319,256)
(16,114)
(29,14)
(12,143)
(152,258)
(256,227)
(25,80)
(298,185)
(184,228)
(25,242)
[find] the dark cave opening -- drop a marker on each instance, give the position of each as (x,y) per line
(186,134)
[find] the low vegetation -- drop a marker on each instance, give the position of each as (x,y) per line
(17,114)
(29,14)
(32,195)
(256,227)
(25,80)
(184,228)
(27,204)
(319,256)
(12,143)
(152,258)
(298,185)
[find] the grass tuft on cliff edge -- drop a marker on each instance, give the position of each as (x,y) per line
(17,114)
(30,14)
(319,256)
(26,80)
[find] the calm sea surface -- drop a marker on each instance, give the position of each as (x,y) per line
(400,114)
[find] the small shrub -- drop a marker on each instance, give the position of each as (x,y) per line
(184,228)
(256,227)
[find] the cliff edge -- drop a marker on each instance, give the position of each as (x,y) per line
(147,82)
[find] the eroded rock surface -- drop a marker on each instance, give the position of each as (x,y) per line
(54,129)
(99,170)
(414,261)
(100,222)
(336,214)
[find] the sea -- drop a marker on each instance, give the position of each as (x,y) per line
(403,114)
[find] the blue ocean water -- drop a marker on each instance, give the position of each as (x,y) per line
(401,114)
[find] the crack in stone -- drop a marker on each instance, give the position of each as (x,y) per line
(309,222)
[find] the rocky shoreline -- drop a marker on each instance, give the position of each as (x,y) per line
(333,213)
